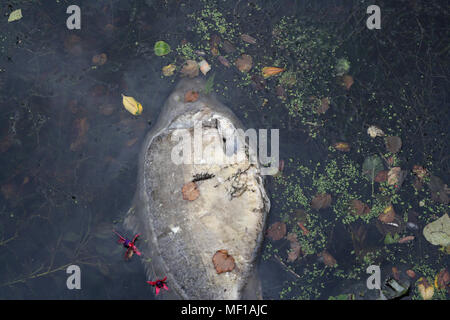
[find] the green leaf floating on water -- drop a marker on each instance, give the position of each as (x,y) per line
(15,15)
(371,166)
(209,84)
(391,239)
(161,48)
(438,231)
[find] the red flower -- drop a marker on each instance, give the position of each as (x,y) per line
(159,284)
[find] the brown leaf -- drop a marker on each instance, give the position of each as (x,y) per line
(388,214)
(8,190)
(396,176)
(324,105)
(359,208)
(393,144)
(277,231)
(248,39)
(132,142)
(342,146)
(295,249)
(228,47)
(81,127)
(411,273)
(191,96)
(223,262)
(244,63)
(190,69)
(406,239)
(439,190)
(258,82)
(347,81)
(190,191)
(381,176)
(443,279)
(321,201)
(396,273)
(271,71)
(107,109)
(302,226)
(420,172)
(99,59)
(224,61)
(328,259)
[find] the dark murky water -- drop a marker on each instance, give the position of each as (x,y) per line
(69,150)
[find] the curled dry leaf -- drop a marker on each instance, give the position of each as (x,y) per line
(224,61)
(359,208)
(321,201)
(374,132)
(168,70)
(190,191)
(244,63)
(223,262)
(190,69)
(406,239)
(132,106)
(342,146)
(302,226)
(277,231)
(393,144)
(271,71)
(425,289)
(381,176)
(328,259)
(204,66)
(99,59)
(248,39)
(295,249)
(388,214)
(191,96)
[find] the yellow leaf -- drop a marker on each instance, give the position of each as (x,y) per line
(131,105)
(426,290)
(168,70)
(270,71)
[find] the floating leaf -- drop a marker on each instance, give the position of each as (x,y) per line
(321,201)
(277,231)
(168,70)
(270,71)
(347,81)
(342,66)
(228,47)
(15,15)
(223,262)
(324,105)
(244,63)
(406,239)
(190,69)
(438,231)
(425,289)
(374,131)
(209,84)
(391,239)
(161,48)
(359,208)
(106,109)
(302,226)
(204,66)
(371,166)
(393,144)
(381,176)
(224,61)
(342,146)
(439,190)
(191,96)
(81,127)
(411,273)
(190,191)
(396,176)
(132,106)
(442,279)
(420,172)
(388,214)
(295,249)
(328,259)
(248,39)
(99,59)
